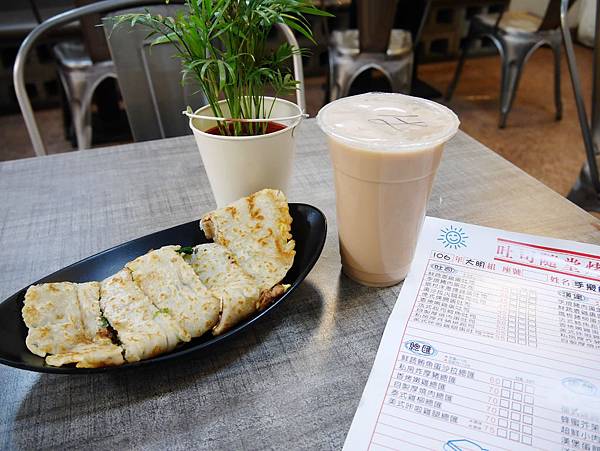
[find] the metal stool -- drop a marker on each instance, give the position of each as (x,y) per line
(80,77)
(373,46)
(347,62)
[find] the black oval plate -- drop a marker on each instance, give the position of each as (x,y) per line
(309,229)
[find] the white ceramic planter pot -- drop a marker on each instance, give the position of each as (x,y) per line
(237,166)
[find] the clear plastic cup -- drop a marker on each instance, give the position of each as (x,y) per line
(385,149)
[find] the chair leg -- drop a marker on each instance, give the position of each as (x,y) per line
(334,88)
(87,128)
(84,136)
(399,74)
(343,80)
(503,81)
(511,74)
(78,118)
(334,91)
(557,96)
(459,67)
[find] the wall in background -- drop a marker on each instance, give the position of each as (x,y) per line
(448,24)
(539,7)
(587,16)
(535,6)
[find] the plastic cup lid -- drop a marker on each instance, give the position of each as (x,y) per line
(386,121)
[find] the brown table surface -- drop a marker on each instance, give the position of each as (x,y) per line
(293,380)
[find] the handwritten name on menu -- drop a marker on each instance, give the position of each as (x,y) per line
(493,344)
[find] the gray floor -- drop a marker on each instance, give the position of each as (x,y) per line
(15,140)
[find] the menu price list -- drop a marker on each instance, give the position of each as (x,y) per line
(482,353)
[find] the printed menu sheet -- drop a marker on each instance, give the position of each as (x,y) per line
(493,344)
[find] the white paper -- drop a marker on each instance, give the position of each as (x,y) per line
(493,344)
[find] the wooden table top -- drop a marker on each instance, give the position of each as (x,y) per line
(293,380)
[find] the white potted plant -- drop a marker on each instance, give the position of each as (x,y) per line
(245,136)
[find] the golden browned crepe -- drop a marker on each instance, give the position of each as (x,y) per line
(90,355)
(171,284)
(65,325)
(143,330)
(162,299)
(237,291)
(256,230)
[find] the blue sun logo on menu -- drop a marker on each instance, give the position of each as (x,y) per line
(453,237)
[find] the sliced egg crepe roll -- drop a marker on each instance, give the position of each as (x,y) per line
(143,330)
(256,229)
(51,303)
(171,284)
(88,295)
(64,320)
(237,291)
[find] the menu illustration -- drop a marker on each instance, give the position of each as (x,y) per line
(493,344)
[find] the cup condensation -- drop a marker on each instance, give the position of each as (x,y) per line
(385,149)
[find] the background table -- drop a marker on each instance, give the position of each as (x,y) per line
(292,381)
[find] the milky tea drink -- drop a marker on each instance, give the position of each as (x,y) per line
(385,149)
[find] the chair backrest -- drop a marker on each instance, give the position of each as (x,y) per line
(375,22)
(103,7)
(551,20)
(149,79)
(28,43)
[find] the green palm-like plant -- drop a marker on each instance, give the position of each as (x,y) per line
(223,45)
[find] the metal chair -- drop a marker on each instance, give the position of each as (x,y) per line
(103,7)
(375,45)
(80,77)
(82,64)
(149,79)
(516,35)
(28,44)
(586,190)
